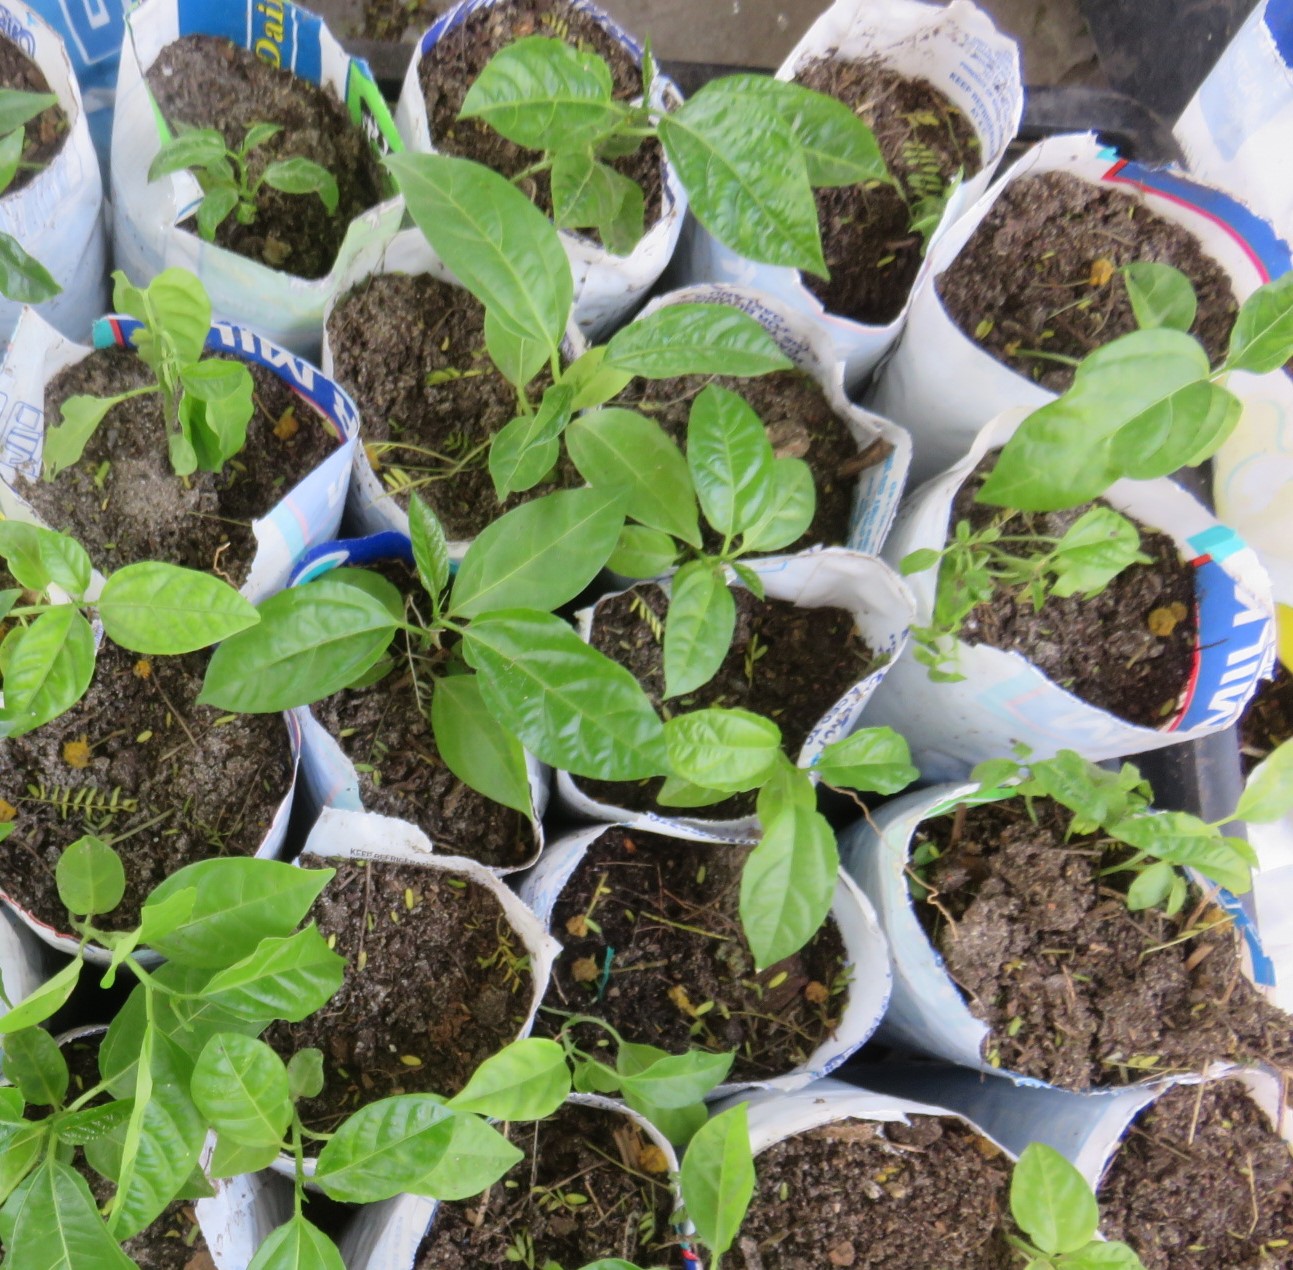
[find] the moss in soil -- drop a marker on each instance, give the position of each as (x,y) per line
(872,253)
(1107,650)
(662,915)
(788,663)
(1039,275)
(1075,988)
(165,781)
(109,501)
(449,70)
(1268,721)
(384,731)
(1202,1182)
(43,136)
(203,81)
(592,1185)
(932,1193)
(436,981)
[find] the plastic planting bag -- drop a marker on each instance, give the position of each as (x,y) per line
(1004,700)
(607,287)
(958,50)
(147,237)
(58,216)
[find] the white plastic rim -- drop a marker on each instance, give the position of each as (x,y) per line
(955,47)
(807,344)
(865,948)
(1004,700)
(58,215)
(308,515)
(372,508)
(147,215)
(242,1214)
(607,287)
(364,835)
(386,1236)
(927,1012)
(24,963)
(933,352)
(834,576)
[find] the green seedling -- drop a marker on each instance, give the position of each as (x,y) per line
(207,403)
(225,174)
(22,277)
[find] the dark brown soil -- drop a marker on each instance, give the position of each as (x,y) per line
(436,982)
(801,661)
(411,352)
(385,732)
(395,19)
(188,782)
(681,973)
(450,69)
(207,82)
(935,1192)
(1102,650)
(44,135)
(1028,280)
(123,501)
(588,1188)
(872,253)
(1078,990)
(1202,1182)
(1268,721)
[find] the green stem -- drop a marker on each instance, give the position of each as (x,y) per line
(533,170)
(1062,358)
(298,1155)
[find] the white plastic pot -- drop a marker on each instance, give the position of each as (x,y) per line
(864,946)
(308,515)
(147,214)
(24,963)
(607,287)
(882,610)
(957,49)
(1004,700)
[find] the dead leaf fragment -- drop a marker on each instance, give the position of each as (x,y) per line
(77,753)
(143,668)
(7,811)
(652,1160)
(584,970)
(678,995)
(817,993)
(577,926)
(1102,269)
(1164,620)
(287,427)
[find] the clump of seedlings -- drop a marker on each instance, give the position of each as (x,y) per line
(24,119)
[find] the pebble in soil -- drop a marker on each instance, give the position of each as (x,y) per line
(870,249)
(592,1185)
(788,663)
(109,500)
(203,81)
(384,730)
(43,135)
(136,763)
(1202,1182)
(661,915)
(1075,988)
(1039,275)
(1128,650)
(436,981)
(449,69)
(932,1193)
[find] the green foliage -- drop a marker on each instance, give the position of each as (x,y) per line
(23,278)
(718,1178)
(225,174)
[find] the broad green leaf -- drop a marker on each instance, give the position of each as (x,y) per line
(219,426)
(51,667)
(496,242)
(731,750)
(1268,792)
(569,705)
(298,175)
(1107,1255)
(37,556)
(1261,339)
(588,194)
(412,1143)
(475,747)
(1097,797)
(676,792)
(677,1080)
(1189,428)
(58,1227)
(592,1077)
(18,106)
(305,1073)
(66,441)
(23,279)
(194,148)
(698,627)
(642,553)
(518,356)
(215,208)
(1097,547)
(527,1080)
(41,1004)
(238,903)
(1051,1202)
(90,877)
(11,147)
(182,453)
(161,608)
(593,379)
(790,508)
(718,1178)
(1185,840)
(162,917)
(240,1086)
(180,316)
(623,231)
(788,883)
(257,135)
(21,1145)
(231,1158)
(524,451)
(33,1062)
(430,550)
(539,555)
(81,1127)
(746,178)
(696,339)
(297,1245)
(215,378)
(873,760)
(286,977)
(1160,295)
(11,1105)
(1151,887)
(730,460)
(620,449)
(310,642)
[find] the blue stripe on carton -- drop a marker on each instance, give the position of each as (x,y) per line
(275,30)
